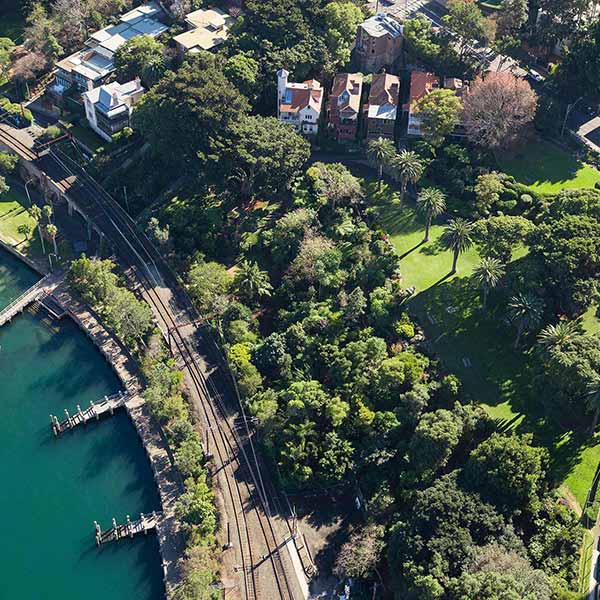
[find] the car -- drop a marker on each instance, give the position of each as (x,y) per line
(535,76)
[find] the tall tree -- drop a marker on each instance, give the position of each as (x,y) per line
(35,212)
(52,231)
(431,203)
(136,56)
(409,167)
(525,311)
(341,19)
(381,151)
(487,275)
(457,237)
(498,109)
(440,112)
(468,23)
(556,336)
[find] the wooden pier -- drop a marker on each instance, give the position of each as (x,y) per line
(131,528)
(95,410)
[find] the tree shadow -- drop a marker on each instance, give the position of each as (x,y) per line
(411,250)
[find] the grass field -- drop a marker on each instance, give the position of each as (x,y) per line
(13,213)
(547,169)
(478,345)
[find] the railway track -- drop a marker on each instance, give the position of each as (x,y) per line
(247,497)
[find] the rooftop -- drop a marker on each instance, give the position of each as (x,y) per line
(383,98)
(347,88)
(421,83)
(112,98)
(382,24)
(299,96)
(210,28)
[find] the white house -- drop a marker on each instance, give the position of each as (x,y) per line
(108,108)
(90,67)
(207,29)
(299,103)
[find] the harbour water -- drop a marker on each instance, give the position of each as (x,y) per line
(52,490)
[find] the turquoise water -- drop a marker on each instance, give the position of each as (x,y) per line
(53,489)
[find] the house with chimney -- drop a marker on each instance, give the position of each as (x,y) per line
(378,43)
(423,83)
(299,104)
(108,108)
(344,105)
(382,107)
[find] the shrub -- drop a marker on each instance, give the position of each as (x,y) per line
(406,331)
(50,133)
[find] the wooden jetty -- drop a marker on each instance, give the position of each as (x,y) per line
(18,305)
(131,528)
(95,410)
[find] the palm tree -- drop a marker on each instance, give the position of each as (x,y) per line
(431,202)
(487,275)
(525,312)
(457,237)
(251,281)
(555,336)
(409,167)
(52,230)
(381,151)
(36,214)
(153,70)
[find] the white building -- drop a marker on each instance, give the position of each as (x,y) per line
(299,103)
(108,108)
(88,68)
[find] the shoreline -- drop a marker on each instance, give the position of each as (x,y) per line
(166,477)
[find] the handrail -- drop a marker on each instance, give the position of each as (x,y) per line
(26,293)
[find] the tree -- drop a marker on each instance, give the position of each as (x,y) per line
(457,237)
(251,282)
(93,279)
(263,155)
(440,112)
(508,472)
(4,187)
(208,281)
(24,229)
(497,237)
(409,168)
(48,210)
(129,317)
(488,188)
(8,163)
(431,203)
(381,152)
(341,20)
(556,336)
(139,57)
(498,109)
(525,311)
(334,183)
(7,47)
(52,230)
(202,106)
(358,557)
(243,71)
(199,574)
(512,16)
(487,275)
(196,508)
(36,214)
(468,23)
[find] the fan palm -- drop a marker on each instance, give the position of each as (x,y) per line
(409,168)
(381,151)
(251,281)
(457,237)
(431,202)
(525,312)
(555,336)
(487,275)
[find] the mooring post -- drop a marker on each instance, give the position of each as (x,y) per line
(115,528)
(129,527)
(94,411)
(52,426)
(68,417)
(98,533)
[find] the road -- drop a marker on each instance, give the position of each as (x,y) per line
(259,563)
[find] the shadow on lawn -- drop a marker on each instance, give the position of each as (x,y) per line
(478,347)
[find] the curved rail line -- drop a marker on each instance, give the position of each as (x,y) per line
(228,451)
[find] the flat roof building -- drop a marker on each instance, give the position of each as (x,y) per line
(208,28)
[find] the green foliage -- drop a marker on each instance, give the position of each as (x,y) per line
(8,162)
(508,472)
(249,380)
(143,57)
(196,508)
(341,19)
(440,113)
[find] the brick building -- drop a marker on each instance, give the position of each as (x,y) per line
(344,105)
(378,43)
(382,108)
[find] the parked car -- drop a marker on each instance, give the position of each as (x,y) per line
(535,75)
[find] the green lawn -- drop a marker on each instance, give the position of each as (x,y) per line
(547,169)
(478,346)
(13,213)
